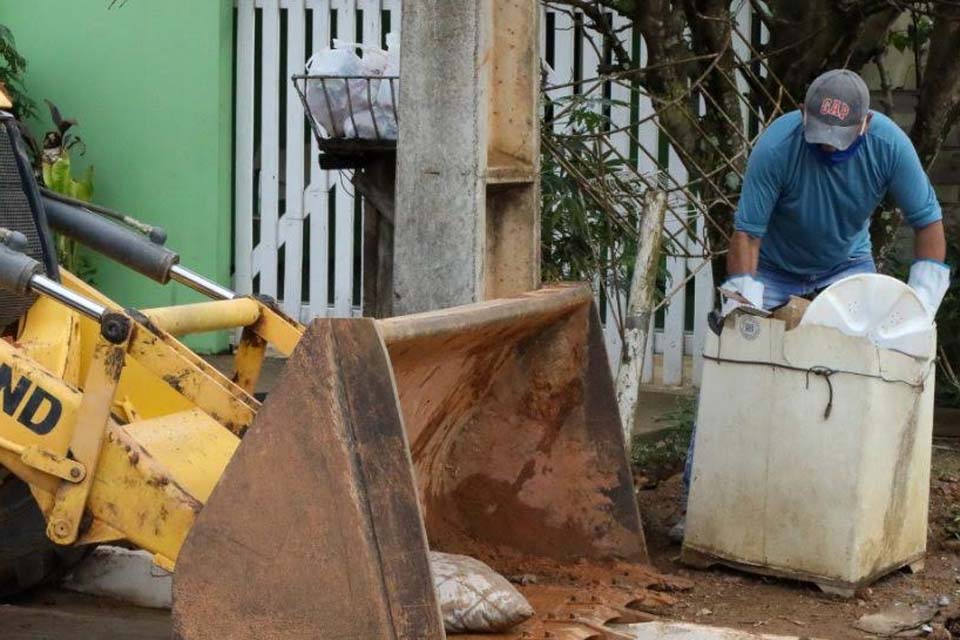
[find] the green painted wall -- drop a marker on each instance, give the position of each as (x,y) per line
(151,85)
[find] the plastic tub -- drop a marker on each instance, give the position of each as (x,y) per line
(812,455)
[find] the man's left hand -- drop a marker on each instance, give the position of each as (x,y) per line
(930,279)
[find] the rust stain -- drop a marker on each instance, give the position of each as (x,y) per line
(175,381)
(508,447)
(114,362)
(147,323)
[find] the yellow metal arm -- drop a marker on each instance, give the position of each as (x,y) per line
(205,316)
(69,389)
(46,461)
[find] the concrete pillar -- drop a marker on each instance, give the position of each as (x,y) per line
(467,206)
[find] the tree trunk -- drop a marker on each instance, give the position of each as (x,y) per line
(636,326)
(939,106)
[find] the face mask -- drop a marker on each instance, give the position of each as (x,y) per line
(836,157)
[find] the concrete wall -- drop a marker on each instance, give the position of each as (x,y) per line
(150,83)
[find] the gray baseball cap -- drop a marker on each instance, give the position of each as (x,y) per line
(836,104)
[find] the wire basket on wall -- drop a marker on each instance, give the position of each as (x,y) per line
(353,118)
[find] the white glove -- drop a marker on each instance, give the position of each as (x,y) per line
(740,290)
(930,279)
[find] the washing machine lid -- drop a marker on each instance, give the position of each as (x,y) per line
(883,309)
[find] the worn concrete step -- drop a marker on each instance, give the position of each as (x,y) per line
(123,575)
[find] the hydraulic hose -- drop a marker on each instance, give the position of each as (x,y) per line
(114,241)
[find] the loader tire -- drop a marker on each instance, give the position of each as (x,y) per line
(28,558)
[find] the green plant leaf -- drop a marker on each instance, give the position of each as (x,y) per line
(900,39)
(83,189)
(57,175)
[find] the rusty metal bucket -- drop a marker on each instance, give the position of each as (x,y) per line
(490,429)
(510,409)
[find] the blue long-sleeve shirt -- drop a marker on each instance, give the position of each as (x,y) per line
(812,215)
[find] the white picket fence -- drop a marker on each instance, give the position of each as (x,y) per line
(292,218)
(296,226)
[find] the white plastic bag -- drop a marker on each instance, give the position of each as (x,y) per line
(361,126)
(385,107)
(327,99)
(377,121)
(332,101)
(473,597)
(374,60)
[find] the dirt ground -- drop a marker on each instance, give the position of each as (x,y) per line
(718,597)
(51,614)
(724,597)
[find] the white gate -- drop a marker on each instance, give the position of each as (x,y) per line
(297,227)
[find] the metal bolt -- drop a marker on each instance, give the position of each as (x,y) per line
(61,529)
(115,327)
(75,472)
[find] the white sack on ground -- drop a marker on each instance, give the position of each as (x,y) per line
(473,597)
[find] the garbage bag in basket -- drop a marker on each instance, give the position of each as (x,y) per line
(379,121)
(331,99)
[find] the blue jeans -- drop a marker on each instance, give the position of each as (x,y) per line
(778,286)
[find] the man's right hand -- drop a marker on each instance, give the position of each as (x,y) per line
(741,290)
(930,279)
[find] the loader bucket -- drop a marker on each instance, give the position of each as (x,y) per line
(314,530)
(490,429)
(511,413)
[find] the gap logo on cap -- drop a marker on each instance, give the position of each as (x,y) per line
(835,107)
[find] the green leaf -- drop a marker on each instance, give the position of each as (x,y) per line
(83,189)
(900,39)
(57,175)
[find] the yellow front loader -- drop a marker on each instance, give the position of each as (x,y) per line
(490,429)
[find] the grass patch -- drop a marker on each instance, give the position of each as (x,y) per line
(951,524)
(660,454)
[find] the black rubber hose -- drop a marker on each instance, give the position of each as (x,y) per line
(112,240)
(157,235)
